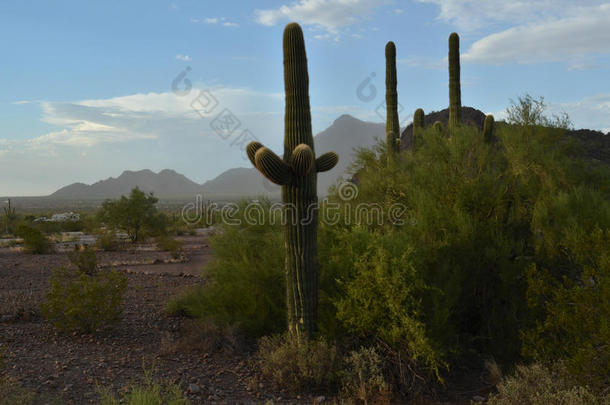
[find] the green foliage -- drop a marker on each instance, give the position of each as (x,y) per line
(81,298)
(108,242)
(479,217)
(85,261)
(246,281)
(297,174)
(362,377)
(528,111)
(538,384)
(289,363)
(569,287)
(383,299)
(173,246)
(149,392)
(134,214)
(34,240)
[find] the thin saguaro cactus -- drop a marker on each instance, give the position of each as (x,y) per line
(392,126)
(455,96)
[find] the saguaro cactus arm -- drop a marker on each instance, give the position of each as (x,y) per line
(251,150)
(301,160)
(326,161)
(272,166)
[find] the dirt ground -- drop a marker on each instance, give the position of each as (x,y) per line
(70,366)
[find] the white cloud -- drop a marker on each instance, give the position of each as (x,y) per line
(470,15)
(583,33)
(215,20)
(330,15)
(185,58)
(423,62)
(399,11)
(591,112)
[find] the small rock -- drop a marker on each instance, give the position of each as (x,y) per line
(194,388)
(478,398)
(320,399)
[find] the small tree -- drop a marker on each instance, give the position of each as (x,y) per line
(528,111)
(133,214)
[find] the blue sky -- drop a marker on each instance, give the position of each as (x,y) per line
(87,87)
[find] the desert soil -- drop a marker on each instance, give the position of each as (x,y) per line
(70,366)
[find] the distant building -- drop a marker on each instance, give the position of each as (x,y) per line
(63,217)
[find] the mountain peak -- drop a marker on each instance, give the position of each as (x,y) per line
(344,118)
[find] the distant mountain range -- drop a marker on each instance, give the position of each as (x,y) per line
(345,134)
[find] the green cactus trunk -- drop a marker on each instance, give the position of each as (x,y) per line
(392,126)
(418,122)
(297,174)
(488,128)
(455,96)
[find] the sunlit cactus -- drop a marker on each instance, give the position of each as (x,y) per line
(392,126)
(455,97)
(297,174)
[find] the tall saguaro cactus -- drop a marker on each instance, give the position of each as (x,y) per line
(455,96)
(297,174)
(392,126)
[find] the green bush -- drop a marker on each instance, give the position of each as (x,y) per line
(246,281)
(81,298)
(538,384)
(293,365)
(108,242)
(34,240)
(569,286)
(362,377)
(149,392)
(173,246)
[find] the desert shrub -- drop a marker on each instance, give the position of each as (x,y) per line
(108,242)
(173,246)
(148,392)
(246,281)
(84,260)
(569,286)
(362,377)
(539,384)
(453,276)
(205,336)
(296,366)
(383,300)
(34,240)
(81,298)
